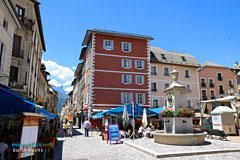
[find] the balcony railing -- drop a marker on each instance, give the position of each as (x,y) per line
(203,84)
(211,85)
(14,84)
(220,78)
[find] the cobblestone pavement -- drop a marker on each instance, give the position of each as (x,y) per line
(93,148)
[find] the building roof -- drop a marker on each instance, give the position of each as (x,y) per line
(159,55)
(78,70)
(211,64)
(115,33)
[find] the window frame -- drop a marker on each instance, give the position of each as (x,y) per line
(126,79)
(143,96)
(189,100)
(164,71)
(185,75)
(141,81)
(105,42)
(151,72)
(158,104)
(129,44)
(128,63)
(142,64)
(164,85)
(156,87)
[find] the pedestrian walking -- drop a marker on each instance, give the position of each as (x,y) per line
(64,128)
(70,128)
(86,125)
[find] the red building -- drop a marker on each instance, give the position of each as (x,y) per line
(116,69)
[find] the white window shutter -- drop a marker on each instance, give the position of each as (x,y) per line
(130,79)
(131,97)
(104,44)
(112,45)
(122,46)
(135,63)
(143,96)
(122,78)
(122,63)
(136,79)
(142,64)
(122,97)
(136,98)
(130,47)
(130,63)
(3,54)
(142,79)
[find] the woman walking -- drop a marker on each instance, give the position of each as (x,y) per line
(64,128)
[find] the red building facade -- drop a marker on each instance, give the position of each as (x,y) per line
(116,69)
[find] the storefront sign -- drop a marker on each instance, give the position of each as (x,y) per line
(113,132)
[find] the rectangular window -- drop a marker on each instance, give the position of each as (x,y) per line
(155,103)
(212,93)
(139,79)
(126,98)
(187,74)
(166,71)
(189,87)
(166,85)
(126,63)
(153,70)
(16,52)
(165,102)
(219,75)
(20,11)
(189,103)
(139,64)
(108,44)
(211,83)
(221,90)
(230,84)
(154,86)
(204,94)
(126,79)
(203,83)
(2,53)
(126,47)
(140,98)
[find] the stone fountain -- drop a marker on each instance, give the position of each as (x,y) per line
(178,130)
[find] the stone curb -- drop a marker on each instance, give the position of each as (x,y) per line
(178,154)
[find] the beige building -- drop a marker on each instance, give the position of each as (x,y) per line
(9,21)
(52,100)
(162,63)
(27,50)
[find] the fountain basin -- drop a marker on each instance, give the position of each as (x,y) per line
(179,139)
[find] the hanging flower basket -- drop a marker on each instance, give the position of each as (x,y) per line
(167,113)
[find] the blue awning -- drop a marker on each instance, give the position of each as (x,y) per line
(47,114)
(12,103)
(157,110)
(138,111)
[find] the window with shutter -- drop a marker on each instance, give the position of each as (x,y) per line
(108,44)
(139,64)
(126,46)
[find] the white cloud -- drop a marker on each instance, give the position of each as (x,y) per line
(55,83)
(59,71)
(67,83)
(74,68)
(69,89)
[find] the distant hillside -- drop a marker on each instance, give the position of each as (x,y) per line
(62,96)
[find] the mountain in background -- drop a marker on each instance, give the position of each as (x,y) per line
(62,96)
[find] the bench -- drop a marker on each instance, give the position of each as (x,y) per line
(216,132)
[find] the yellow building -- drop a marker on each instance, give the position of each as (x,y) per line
(9,21)
(162,63)
(27,50)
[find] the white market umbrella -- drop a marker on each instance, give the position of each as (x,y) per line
(125,115)
(125,118)
(144,119)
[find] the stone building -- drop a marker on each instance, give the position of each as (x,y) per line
(43,86)
(236,70)
(9,21)
(162,63)
(52,100)
(28,46)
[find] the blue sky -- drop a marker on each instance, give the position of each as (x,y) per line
(206,29)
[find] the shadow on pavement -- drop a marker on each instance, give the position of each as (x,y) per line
(75,133)
(58,151)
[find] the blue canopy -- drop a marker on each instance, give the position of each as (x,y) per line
(47,114)
(138,111)
(11,103)
(157,110)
